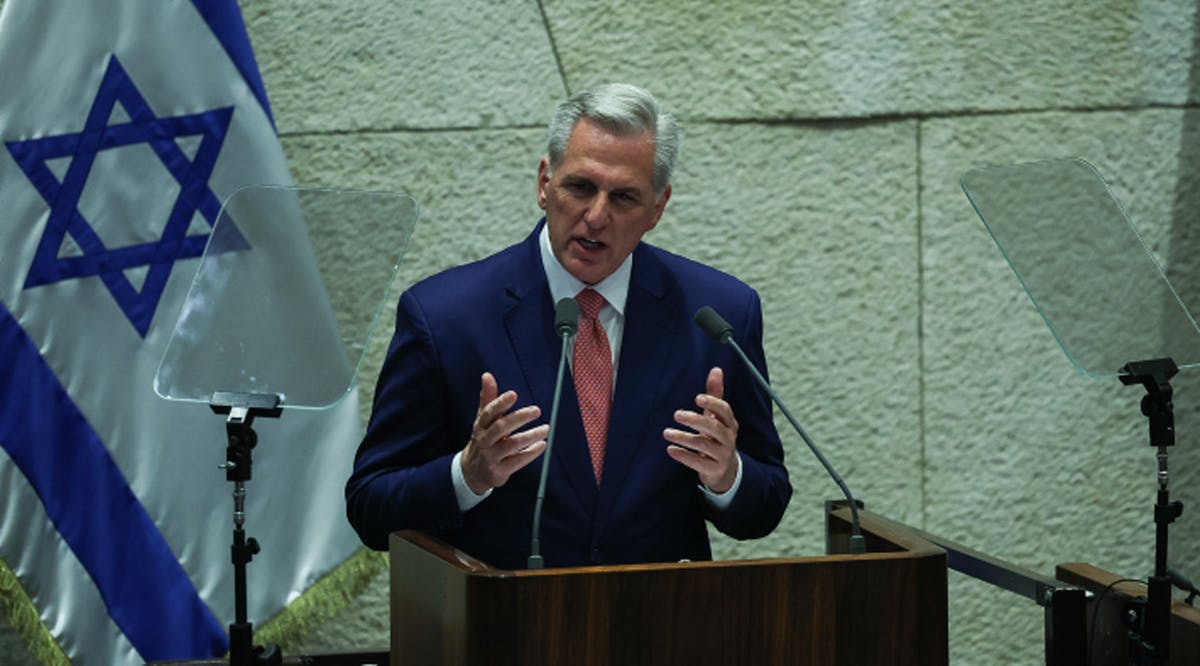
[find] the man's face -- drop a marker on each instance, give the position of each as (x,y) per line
(600,200)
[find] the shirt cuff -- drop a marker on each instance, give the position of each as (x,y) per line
(467,499)
(718,501)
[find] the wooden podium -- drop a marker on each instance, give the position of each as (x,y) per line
(887,606)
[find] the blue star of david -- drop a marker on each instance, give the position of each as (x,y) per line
(63,196)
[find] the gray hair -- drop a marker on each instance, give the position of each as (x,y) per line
(622,109)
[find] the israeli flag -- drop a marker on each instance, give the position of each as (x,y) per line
(124,124)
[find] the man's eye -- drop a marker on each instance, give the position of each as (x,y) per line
(577,188)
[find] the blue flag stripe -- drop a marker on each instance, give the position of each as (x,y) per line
(146,591)
(225,20)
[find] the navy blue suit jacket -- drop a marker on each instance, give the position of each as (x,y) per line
(496,315)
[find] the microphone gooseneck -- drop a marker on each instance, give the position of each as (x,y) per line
(719,330)
(566,322)
(1179,580)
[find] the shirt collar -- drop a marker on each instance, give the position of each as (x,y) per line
(614,288)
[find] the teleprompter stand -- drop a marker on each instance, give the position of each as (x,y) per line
(1150,632)
(278,317)
(1100,290)
(242,409)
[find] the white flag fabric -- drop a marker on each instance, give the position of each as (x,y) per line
(124,124)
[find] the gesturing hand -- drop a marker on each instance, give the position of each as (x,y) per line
(496,449)
(712,449)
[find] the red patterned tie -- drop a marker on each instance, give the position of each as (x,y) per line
(593,376)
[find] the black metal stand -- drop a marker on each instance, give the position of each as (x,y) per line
(242,409)
(1150,640)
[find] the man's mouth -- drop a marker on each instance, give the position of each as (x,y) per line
(589,244)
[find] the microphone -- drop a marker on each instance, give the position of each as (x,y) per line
(715,326)
(718,329)
(566,322)
(566,317)
(1184,583)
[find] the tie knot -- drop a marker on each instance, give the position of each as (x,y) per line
(590,301)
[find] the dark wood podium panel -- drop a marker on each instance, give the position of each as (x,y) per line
(883,607)
(370,658)
(1109,641)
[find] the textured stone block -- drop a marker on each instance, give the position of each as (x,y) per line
(820,220)
(1028,459)
(336,66)
(474,190)
(839,59)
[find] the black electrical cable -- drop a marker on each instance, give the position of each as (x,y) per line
(1096,609)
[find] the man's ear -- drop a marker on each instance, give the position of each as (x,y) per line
(661,205)
(543,181)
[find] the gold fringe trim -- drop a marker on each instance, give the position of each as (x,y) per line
(23,616)
(329,596)
(324,599)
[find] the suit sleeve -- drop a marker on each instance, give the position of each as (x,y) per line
(401,477)
(765,491)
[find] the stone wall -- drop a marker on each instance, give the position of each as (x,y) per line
(823,146)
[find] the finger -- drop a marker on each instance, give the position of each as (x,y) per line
(516,442)
(697,463)
(715,384)
(488,389)
(511,422)
(490,412)
(707,425)
(698,444)
(510,464)
(717,408)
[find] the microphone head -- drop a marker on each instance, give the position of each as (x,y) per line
(566,316)
(713,324)
(1180,581)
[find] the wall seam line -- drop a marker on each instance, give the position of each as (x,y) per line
(924,460)
(562,74)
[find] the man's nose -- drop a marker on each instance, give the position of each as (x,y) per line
(597,213)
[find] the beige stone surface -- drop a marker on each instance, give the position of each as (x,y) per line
(823,147)
(341,66)
(833,59)
(474,192)
(819,220)
(364,626)
(1028,459)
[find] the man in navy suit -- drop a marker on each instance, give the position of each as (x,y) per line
(679,433)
